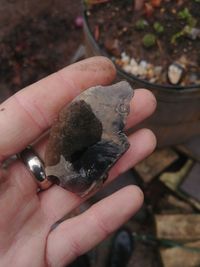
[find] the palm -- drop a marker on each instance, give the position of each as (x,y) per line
(26,238)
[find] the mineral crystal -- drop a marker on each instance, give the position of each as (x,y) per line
(87,138)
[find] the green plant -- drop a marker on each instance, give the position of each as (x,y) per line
(158,27)
(191,23)
(149,40)
(187,16)
(141,24)
(184,13)
(184,32)
(177,35)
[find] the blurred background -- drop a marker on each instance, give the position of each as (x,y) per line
(37,38)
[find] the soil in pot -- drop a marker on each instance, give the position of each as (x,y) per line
(155,40)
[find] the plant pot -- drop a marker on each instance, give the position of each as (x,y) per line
(177,118)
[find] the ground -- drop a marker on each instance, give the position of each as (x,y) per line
(23,59)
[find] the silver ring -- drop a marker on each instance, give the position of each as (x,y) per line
(35,166)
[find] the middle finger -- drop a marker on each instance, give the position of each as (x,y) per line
(142,105)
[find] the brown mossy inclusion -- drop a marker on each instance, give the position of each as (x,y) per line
(88,139)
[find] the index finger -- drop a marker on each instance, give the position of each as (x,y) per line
(28,113)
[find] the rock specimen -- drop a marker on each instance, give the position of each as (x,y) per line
(175,73)
(88,138)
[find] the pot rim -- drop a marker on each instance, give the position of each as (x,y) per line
(178,88)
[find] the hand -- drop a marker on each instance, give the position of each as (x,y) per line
(25,216)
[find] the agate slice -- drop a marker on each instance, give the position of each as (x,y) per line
(87,139)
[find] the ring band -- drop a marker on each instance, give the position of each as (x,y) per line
(35,166)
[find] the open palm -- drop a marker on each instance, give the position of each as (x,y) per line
(26,217)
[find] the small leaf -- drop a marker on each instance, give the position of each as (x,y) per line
(184,14)
(141,24)
(149,40)
(158,27)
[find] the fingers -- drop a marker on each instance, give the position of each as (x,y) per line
(142,144)
(24,116)
(56,201)
(142,105)
(80,234)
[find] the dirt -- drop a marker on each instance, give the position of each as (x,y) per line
(38,45)
(114,26)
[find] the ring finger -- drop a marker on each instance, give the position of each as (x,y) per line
(142,142)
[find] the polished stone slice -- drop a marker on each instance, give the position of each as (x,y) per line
(88,138)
